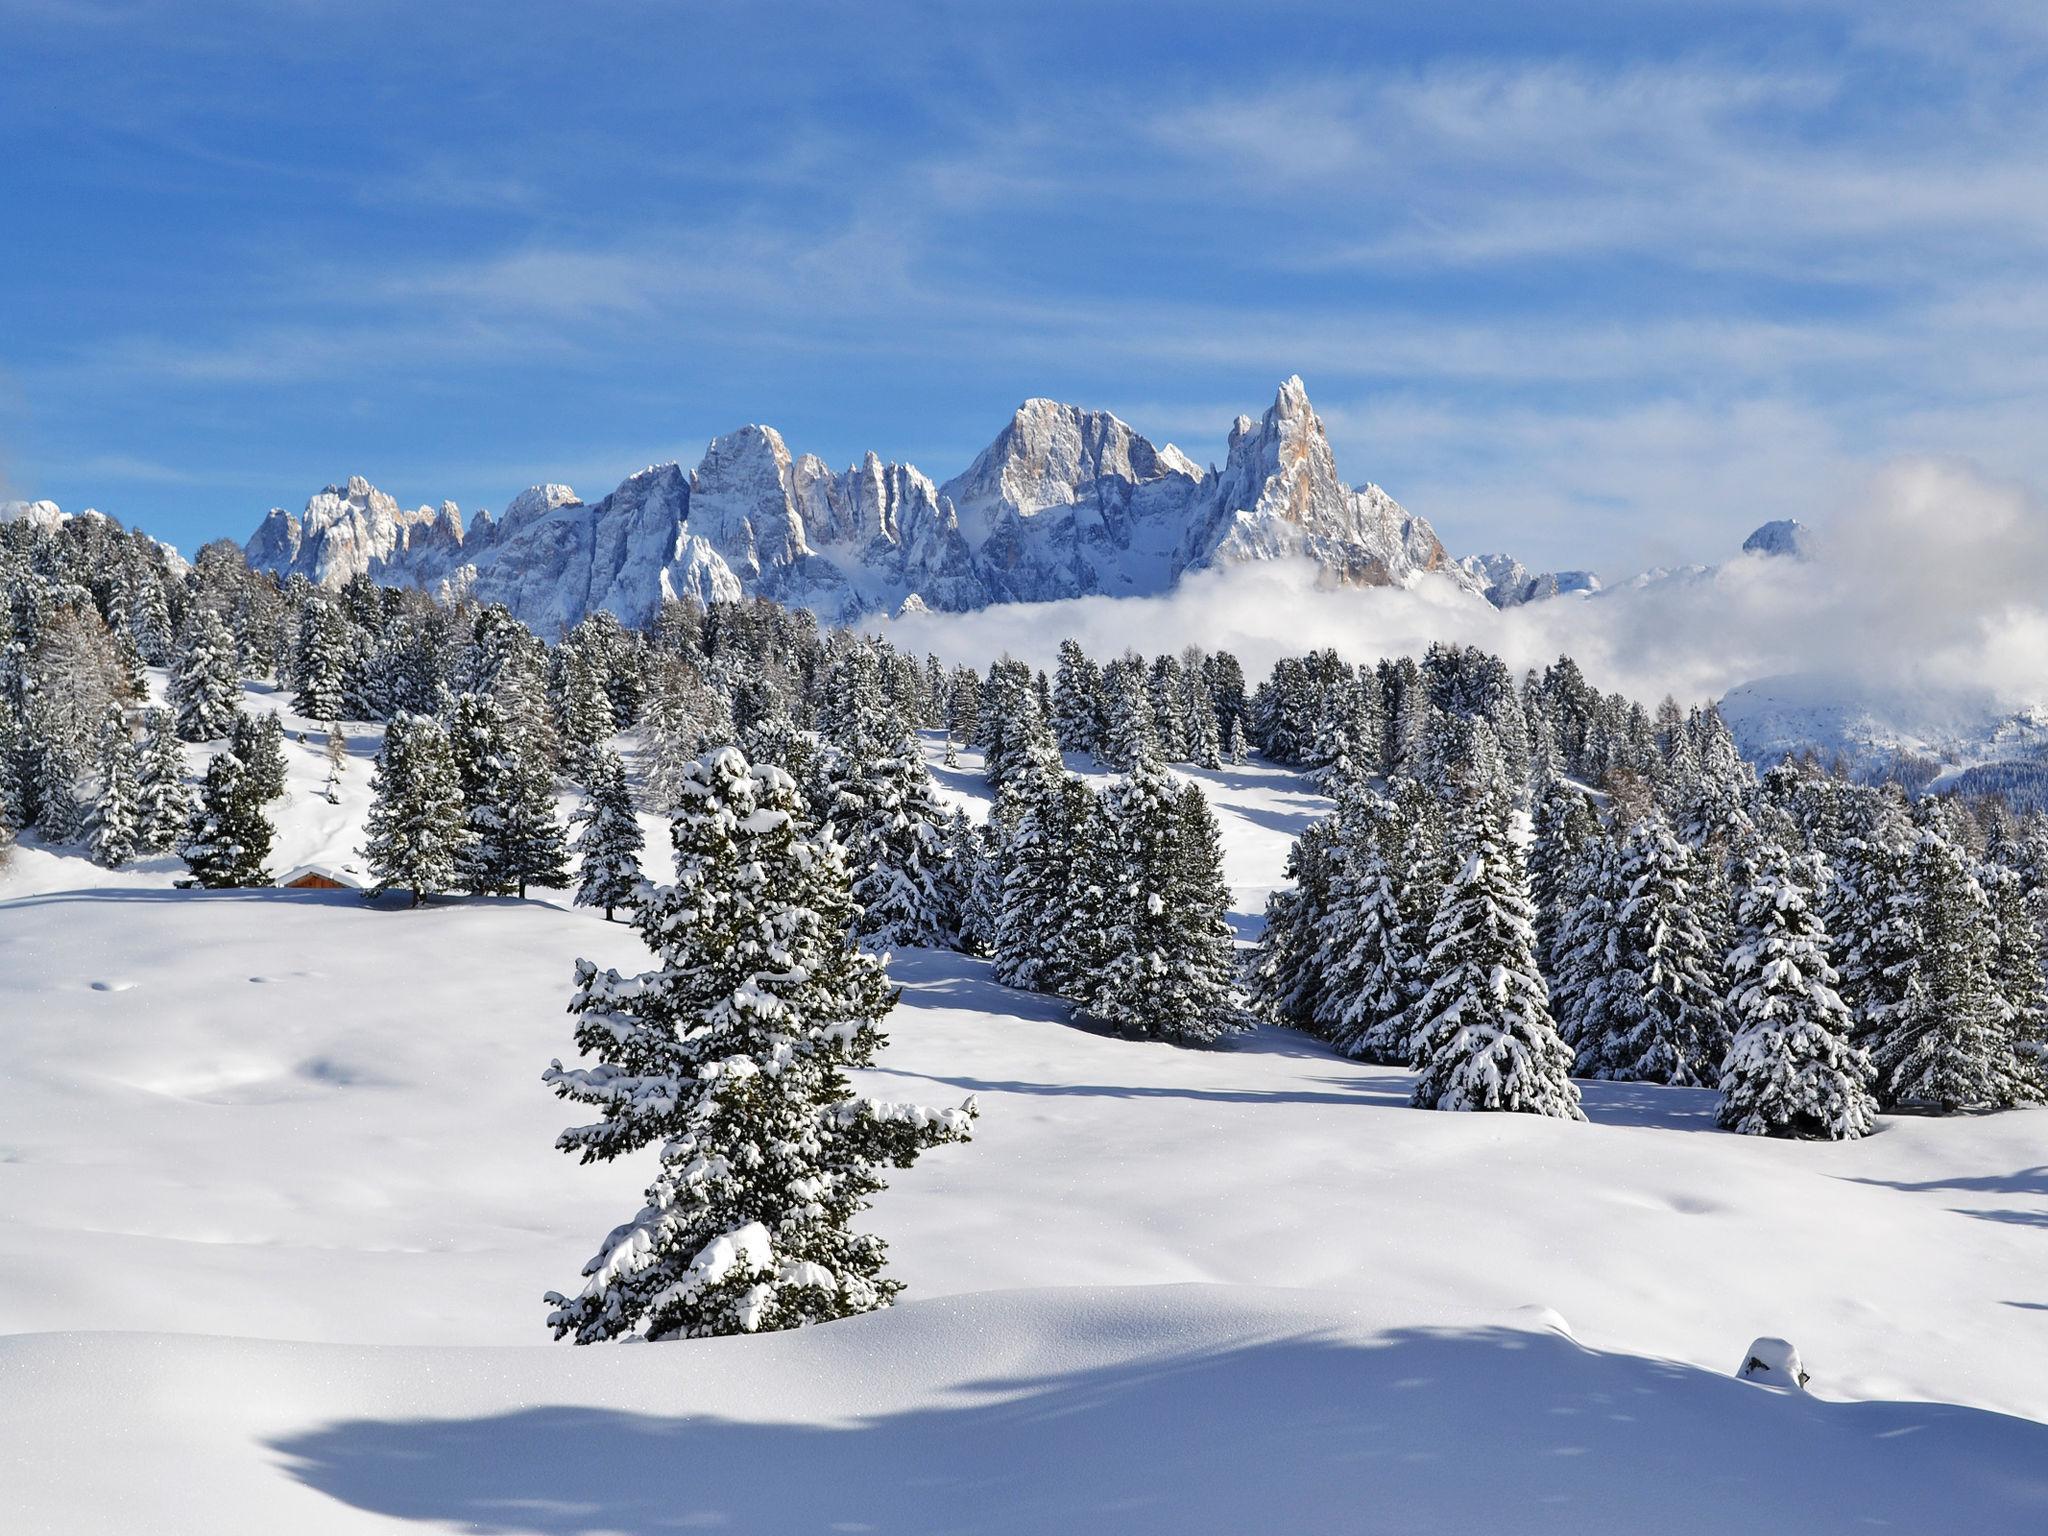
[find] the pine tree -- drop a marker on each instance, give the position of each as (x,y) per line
(1562,824)
(259,743)
(337,762)
(731,1057)
(1946,1043)
(1663,1019)
(527,844)
(115,833)
(1047,935)
(608,847)
(229,838)
(321,664)
(2020,983)
(887,814)
(1171,972)
(1791,1070)
(582,709)
(1487,1041)
(1587,949)
(1128,736)
(1369,968)
(164,802)
(1167,690)
(1077,701)
(416,832)
(205,683)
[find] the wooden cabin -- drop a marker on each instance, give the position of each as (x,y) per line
(319,877)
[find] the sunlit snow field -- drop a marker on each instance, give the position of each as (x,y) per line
(247,1136)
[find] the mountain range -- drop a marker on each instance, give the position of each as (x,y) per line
(1065,502)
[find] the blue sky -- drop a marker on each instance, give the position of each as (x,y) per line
(1598,284)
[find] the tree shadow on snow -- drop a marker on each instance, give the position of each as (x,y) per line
(1490,1430)
(2025,1181)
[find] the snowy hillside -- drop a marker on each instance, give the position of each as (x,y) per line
(278,1201)
(1064,502)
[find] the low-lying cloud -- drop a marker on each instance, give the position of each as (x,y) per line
(1929,579)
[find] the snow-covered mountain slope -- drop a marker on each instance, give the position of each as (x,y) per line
(295,1116)
(1947,730)
(1064,502)
(1507,583)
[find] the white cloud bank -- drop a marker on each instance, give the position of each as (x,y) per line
(1931,580)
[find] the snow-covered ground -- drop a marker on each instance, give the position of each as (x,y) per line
(278,1202)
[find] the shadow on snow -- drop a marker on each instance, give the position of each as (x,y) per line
(1424,1431)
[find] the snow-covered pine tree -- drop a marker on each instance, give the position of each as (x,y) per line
(1171,973)
(1050,934)
(1077,700)
(608,846)
(322,663)
(114,832)
(337,762)
(1205,740)
(1563,822)
(205,682)
(1663,1019)
(1791,1070)
(1869,912)
(259,742)
(1486,1041)
(2018,979)
(1127,734)
(1946,1044)
(1167,688)
(1368,966)
(229,838)
(963,705)
(164,803)
(731,1056)
(528,846)
(417,836)
(582,709)
(1586,947)
(1013,730)
(977,879)
(1286,970)
(886,814)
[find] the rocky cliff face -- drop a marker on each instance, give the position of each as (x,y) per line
(1065,502)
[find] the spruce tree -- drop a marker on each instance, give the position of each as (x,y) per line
(887,813)
(417,835)
(1486,1040)
(259,743)
(1663,1015)
(229,838)
(1791,1070)
(322,663)
(115,832)
(532,848)
(1946,1044)
(164,802)
(1128,736)
(1172,973)
(2019,981)
(1077,701)
(1587,949)
(731,1056)
(608,847)
(205,681)
(336,753)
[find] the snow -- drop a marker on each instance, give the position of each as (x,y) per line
(279,1201)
